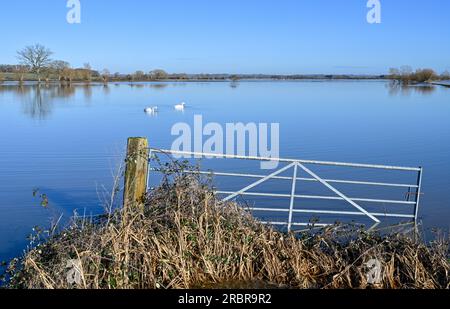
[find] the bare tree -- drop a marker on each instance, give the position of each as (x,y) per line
(406,74)
(424,75)
(47,73)
(58,67)
(37,57)
(87,72)
(158,74)
(139,75)
(19,72)
(105,76)
(394,73)
(68,75)
(234,78)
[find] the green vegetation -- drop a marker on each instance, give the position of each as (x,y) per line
(183,237)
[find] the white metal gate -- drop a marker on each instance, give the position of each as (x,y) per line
(295,166)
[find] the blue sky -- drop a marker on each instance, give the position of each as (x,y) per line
(234,36)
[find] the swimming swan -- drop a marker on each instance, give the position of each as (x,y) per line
(180,107)
(151,110)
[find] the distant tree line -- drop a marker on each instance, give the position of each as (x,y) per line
(36,63)
(406,75)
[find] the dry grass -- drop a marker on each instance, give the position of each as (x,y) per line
(185,238)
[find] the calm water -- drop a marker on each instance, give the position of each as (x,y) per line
(68,141)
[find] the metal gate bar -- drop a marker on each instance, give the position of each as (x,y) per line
(295,164)
(319,197)
(353,182)
(331,163)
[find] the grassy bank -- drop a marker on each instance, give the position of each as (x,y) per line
(184,238)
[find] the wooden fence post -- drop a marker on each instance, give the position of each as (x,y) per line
(136,172)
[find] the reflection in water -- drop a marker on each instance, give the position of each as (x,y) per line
(396,88)
(87,91)
(323,121)
(158,86)
(106,89)
(37,100)
(137,85)
(39,103)
(234,84)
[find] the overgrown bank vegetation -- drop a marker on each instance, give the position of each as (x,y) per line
(185,238)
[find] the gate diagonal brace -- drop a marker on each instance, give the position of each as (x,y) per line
(339,193)
(230,197)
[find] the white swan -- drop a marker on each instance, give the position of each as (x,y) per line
(180,107)
(151,110)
